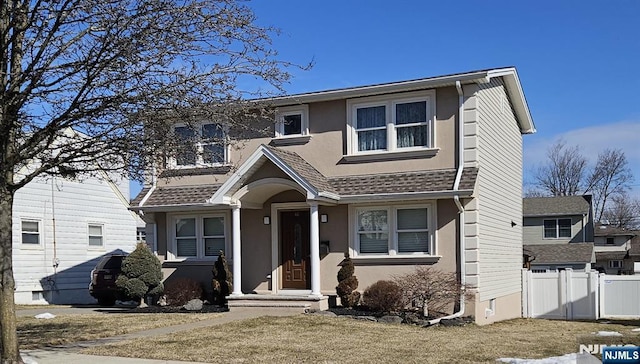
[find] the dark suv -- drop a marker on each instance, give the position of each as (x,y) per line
(103,280)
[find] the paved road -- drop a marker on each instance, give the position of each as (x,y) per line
(69,354)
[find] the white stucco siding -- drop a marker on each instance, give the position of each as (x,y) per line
(499,193)
(77,204)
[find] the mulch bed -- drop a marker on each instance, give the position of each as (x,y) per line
(178,309)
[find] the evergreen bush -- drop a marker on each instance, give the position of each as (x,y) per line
(347,283)
(141,274)
(383,296)
(222,280)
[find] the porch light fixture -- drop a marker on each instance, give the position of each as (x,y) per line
(266,220)
(324,218)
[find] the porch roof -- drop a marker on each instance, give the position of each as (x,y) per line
(420,184)
(571,253)
(611,255)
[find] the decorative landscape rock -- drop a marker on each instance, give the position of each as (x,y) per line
(193,305)
(390,319)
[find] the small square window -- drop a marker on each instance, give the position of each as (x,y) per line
(292,121)
(30,232)
(610,241)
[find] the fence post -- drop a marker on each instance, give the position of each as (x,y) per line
(568,276)
(593,293)
(526,293)
(602,308)
(562,287)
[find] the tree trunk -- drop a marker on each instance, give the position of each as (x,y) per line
(8,330)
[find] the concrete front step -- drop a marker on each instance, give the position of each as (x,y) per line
(278,301)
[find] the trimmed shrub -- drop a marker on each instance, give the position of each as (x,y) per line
(347,283)
(182,290)
(222,280)
(429,289)
(141,274)
(383,296)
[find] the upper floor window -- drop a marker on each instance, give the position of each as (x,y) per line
(557,228)
(292,121)
(204,145)
(394,230)
(391,123)
(610,241)
(96,238)
(30,232)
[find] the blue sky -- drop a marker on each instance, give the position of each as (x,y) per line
(576,60)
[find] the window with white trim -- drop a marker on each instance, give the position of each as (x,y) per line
(95,233)
(391,123)
(616,264)
(557,228)
(292,121)
(30,232)
(394,230)
(200,146)
(202,236)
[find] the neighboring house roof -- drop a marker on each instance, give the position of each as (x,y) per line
(344,188)
(611,255)
(556,206)
(571,253)
(604,230)
(509,74)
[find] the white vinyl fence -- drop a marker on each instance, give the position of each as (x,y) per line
(573,295)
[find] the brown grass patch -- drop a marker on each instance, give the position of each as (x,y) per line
(64,329)
(324,339)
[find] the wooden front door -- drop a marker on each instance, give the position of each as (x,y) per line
(294,249)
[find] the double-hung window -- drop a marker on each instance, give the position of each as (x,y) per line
(292,121)
(394,230)
(201,145)
(557,228)
(30,232)
(391,124)
(96,238)
(198,236)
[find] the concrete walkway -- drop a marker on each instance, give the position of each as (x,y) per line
(68,354)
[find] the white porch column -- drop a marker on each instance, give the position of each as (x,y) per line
(315,250)
(237,262)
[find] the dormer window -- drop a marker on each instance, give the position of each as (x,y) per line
(292,121)
(200,146)
(391,123)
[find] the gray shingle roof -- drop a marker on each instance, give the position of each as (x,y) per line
(303,169)
(611,255)
(178,195)
(372,184)
(556,206)
(561,253)
(427,181)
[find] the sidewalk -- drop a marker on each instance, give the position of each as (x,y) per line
(68,354)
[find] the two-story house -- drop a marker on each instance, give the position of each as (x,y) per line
(403,174)
(558,233)
(613,248)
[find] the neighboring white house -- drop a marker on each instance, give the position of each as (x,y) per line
(61,228)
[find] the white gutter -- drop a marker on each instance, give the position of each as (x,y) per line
(456,199)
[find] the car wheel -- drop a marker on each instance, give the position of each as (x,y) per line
(107,301)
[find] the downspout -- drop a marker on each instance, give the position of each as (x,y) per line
(456,199)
